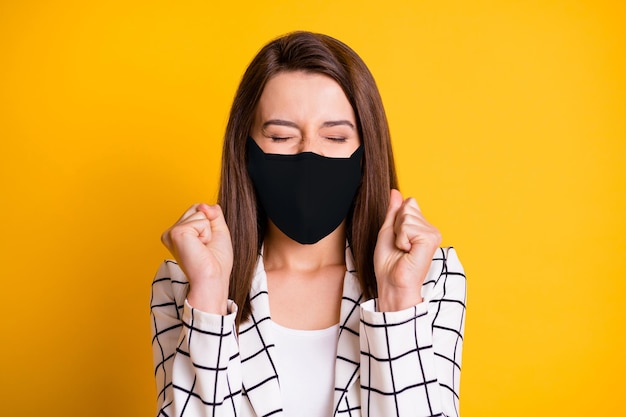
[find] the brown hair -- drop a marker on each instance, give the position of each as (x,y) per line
(317,53)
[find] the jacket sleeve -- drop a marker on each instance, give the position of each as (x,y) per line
(411,359)
(196,357)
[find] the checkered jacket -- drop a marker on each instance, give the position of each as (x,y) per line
(404,363)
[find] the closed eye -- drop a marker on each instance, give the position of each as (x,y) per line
(339,139)
(280,138)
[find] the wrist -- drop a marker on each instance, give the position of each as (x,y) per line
(397,299)
(209,299)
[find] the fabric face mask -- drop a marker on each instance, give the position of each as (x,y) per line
(306,195)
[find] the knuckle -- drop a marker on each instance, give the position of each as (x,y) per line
(175,233)
(435,237)
(166,238)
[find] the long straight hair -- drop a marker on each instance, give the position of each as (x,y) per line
(321,54)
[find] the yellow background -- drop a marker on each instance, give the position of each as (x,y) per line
(509,125)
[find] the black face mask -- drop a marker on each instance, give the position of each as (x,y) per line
(306,195)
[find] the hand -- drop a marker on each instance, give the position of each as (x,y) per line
(404,251)
(200,242)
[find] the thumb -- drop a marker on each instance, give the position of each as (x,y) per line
(395,202)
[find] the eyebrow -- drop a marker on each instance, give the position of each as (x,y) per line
(331,123)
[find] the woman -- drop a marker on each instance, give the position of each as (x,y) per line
(367,312)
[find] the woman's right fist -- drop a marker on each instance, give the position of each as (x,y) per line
(200,243)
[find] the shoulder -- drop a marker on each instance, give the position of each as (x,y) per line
(446,277)
(170,271)
(170,282)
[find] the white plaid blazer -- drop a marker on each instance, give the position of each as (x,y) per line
(404,363)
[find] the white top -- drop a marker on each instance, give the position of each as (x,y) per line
(305,364)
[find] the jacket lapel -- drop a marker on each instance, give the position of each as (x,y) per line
(257,350)
(348,350)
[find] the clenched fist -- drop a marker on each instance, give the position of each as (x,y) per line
(200,242)
(404,251)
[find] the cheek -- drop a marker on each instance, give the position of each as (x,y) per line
(341,150)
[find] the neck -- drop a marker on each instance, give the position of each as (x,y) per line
(282,252)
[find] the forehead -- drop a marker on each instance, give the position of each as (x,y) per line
(303,94)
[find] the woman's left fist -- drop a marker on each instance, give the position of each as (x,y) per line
(404,251)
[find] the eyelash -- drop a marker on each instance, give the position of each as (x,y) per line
(331,138)
(279,138)
(337,139)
